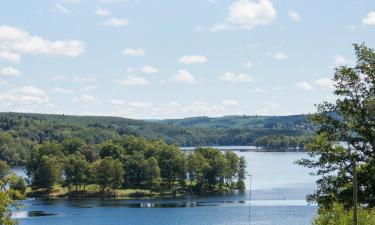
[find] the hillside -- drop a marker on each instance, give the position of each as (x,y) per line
(293,122)
(21,132)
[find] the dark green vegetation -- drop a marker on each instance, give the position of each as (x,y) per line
(283,142)
(338,215)
(345,141)
(132,163)
(12,188)
(21,132)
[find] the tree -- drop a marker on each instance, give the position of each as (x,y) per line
(117,175)
(4,169)
(350,120)
(197,168)
(73,145)
(241,174)
(152,172)
(48,172)
(171,162)
(76,170)
(110,173)
(111,149)
(133,169)
(232,167)
(5,213)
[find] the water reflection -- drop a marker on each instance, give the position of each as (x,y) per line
(27,214)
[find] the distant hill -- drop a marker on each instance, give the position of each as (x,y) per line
(297,122)
(20,132)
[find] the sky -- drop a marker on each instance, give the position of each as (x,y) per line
(157,59)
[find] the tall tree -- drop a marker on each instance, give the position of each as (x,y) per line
(152,172)
(76,170)
(350,120)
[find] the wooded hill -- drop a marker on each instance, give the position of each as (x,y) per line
(20,132)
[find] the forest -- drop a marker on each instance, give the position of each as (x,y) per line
(22,132)
(131,163)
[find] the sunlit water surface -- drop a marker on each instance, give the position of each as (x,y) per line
(278,188)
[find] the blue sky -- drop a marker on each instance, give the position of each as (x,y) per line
(170,59)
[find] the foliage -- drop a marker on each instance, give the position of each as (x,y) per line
(131,162)
(338,215)
(346,134)
(20,133)
(283,142)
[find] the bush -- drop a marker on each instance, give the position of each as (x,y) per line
(337,215)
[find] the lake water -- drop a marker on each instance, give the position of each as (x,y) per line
(279,188)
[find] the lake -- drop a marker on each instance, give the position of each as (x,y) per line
(278,195)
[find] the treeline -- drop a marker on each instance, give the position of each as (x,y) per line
(12,188)
(283,142)
(21,132)
(131,162)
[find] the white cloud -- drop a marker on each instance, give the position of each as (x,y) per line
(232,77)
(115,22)
(111,1)
(3,82)
(268,109)
(199,29)
(192,59)
(229,102)
(132,80)
(58,78)
(132,104)
(244,14)
(15,41)
(149,69)
(117,102)
(259,90)
(24,96)
(102,12)
(88,88)
(134,52)
(340,61)
(85,100)
(136,104)
(304,85)
(84,79)
(62,90)
(325,83)
(10,56)
(369,19)
(72,1)
(280,56)
(294,16)
(9,71)
(60,8)
(184,76)
(249,64)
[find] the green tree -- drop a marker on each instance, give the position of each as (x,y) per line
(197,168)
(171,163)
(73,145)
(151,172)
(111,149)
(5,213)
(351,120)
(117,175)
(76,170)
(110,173)
(48,172)
(4,169)
(241,174)
(232,167)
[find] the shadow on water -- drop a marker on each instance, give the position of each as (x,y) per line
(27,214)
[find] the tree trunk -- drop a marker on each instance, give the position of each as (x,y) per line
(355,192)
